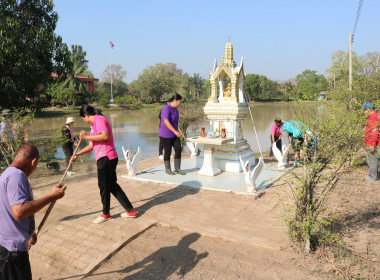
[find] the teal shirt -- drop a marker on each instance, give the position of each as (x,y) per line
(296,128)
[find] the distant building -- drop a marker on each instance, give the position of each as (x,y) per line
(321,96)
(89,82)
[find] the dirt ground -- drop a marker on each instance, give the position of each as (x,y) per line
(171,253)
(165,252)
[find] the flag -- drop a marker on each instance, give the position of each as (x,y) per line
(111,45)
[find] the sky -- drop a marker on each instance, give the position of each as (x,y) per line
(276,38)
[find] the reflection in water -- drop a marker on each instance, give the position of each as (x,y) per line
(140,128)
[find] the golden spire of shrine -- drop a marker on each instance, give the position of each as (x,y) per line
(229,54)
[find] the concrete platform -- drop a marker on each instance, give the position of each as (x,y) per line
(226,181)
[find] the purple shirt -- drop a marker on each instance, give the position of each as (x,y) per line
(103,148)
(14,189)
(171,114)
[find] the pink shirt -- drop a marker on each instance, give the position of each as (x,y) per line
(103,148)
(276,130)
(71,132)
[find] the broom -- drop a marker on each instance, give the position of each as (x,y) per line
(51,205)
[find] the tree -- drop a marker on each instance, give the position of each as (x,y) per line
(371,64)
(60,94)
(78,56)
(338,70)
(115,71)
(309,84)
(259,87)
(196,85)
(119,87)
(80,68)
(30,51)
(288,90)
(338,134)
(159,80)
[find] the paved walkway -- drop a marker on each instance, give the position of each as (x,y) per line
(70,246)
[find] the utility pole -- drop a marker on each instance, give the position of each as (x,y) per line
(350,63)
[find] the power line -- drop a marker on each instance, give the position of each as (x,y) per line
(357,18)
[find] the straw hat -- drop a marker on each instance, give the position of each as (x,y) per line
(69,120)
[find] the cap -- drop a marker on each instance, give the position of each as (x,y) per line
(278,119)
(367,105)
(70,120)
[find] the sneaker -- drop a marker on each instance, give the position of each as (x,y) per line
(127,214)
(102,218)
(70,173)
(161,157)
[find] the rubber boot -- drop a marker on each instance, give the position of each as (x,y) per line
(177,166)
(167,168)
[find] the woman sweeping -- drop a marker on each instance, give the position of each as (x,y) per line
(170,134)
(101,141)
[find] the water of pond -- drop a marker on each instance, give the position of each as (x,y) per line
(140,128)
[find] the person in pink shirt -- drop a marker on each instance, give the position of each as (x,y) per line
(275,135)
(101,141)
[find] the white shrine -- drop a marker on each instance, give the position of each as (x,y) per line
(226,110)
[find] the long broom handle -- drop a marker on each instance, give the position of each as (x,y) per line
(47,213)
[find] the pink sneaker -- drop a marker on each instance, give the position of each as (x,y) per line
(127,214)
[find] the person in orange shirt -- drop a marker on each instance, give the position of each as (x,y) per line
(371,140)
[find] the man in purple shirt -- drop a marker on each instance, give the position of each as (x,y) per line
(170,134)
(17,209)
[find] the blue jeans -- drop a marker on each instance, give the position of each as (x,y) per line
(14,265)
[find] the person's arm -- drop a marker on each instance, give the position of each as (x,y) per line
(169,125)
(103,136)
(85,150)
(23,210)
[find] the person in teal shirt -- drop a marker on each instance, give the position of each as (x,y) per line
(296,131)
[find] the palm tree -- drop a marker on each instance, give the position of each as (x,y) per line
(196,84)
(80,68)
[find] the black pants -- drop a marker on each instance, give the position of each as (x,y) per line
(278,144)
(68,149)
(14,265)
(107,181)
(297,144)
(160,147)
(168,143)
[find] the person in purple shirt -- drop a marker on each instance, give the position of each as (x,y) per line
(17,209)
(170,135)
(101,141)
(275,135)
